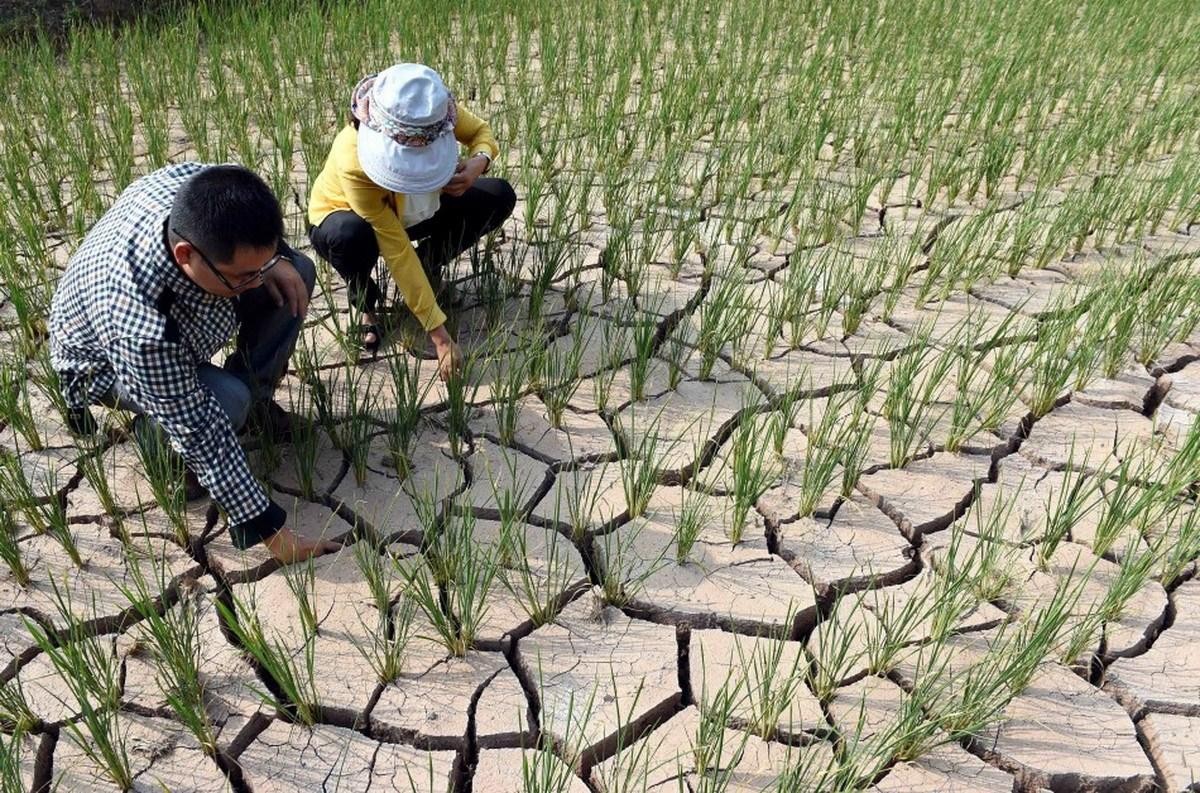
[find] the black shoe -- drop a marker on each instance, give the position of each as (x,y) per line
(192,489)
(269,419)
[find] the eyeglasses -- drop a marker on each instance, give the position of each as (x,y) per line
(257,277)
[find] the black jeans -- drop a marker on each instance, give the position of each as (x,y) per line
(348,242)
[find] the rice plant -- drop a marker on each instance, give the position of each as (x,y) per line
(164,471)
(723,317)
(690,520)
(751,472)
(173,636)
(89,668)
(11,552)
(538,588)
(1078,495)
(639,466)
(626,568)
(452,583)
(291,672)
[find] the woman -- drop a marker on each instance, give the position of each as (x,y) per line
(394,175)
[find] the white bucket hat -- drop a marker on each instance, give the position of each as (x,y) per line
(406,120)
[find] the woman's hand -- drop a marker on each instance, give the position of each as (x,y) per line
(465,174)
(449,356)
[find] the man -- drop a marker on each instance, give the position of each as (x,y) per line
(186,256)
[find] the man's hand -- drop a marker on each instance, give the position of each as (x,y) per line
(465,174)
(286,286)
(449,356)
(288,547)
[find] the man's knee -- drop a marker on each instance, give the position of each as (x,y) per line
(232,394)
(308,271)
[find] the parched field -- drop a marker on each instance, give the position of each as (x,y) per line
(829,420)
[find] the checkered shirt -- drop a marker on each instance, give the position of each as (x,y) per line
(124,312)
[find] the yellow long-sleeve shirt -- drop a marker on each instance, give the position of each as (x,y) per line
(342,185)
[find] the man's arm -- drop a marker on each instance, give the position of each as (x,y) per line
(160,377)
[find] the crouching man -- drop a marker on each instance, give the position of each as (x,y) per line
(186,256)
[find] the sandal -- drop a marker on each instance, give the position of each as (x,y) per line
(368,329)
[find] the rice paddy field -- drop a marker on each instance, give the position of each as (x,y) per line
(828,419)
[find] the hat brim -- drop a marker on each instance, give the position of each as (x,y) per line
(406,169)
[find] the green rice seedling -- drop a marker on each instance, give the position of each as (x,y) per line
(550,766)
(692,516)
(639,469)
(451,586)
(645,332)
(95,473)
(712,759)
(561,377)
(1066,506)
(354,433)
(164,470)
(538,590)
(783,417)
(751,472)
(10,551)
(379,576)
(47,514)
(626,571)
(799,294)
(910,407)
(1136,569)
(16,716)
(1128,506)
(677,353)
(16,412)
(507,389)
(461,389)
(837,654)
(897,627)
(954,595)
(174,638)
(724,317)
(410,395)
(911,733)
(295,678)
(1179,544)
(992,574)
(629,770)
(302,582)
(1050,363)
(1167,308)
(824,453)
(854,443)
(773,683)
(389,640)
(305,443)
(91,672)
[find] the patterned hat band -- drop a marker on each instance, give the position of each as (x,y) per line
(377,118)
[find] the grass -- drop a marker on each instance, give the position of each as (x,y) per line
(173,635)
(690,519)
(292,672)
(751,472)
(452,584)
(90,670)
(902,158)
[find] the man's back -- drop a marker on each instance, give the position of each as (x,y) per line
(122,284)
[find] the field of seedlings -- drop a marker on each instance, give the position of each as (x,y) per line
(829,418)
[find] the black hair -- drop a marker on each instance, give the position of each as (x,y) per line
(225,206)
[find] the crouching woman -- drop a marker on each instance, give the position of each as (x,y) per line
(393,176)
